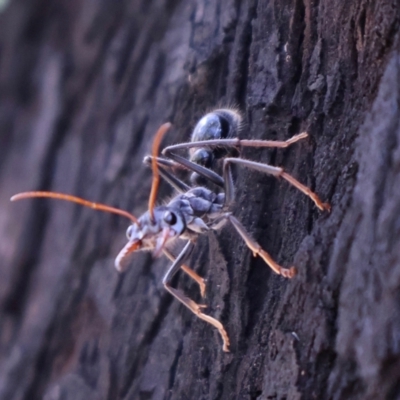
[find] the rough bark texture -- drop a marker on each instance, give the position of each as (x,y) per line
(83,87)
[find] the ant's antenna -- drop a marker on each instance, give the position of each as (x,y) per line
(156,176)
(74,199)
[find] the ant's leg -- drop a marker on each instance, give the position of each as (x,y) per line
(258,251)
(272,143)
(200,281)
(189,303)
(169,177)
(275,171)
(202,171)
(236,142)
(162,162)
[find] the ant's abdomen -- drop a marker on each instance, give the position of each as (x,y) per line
(222,123)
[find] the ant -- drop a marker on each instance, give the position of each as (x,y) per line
(194,210)
(214,138)
(223,123)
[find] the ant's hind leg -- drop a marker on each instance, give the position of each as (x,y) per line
(258,251)
(235,142)
(193,167)
(163,166)
(271,170)
(176,159)
(189,303)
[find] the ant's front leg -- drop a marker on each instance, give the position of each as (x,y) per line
(197,278)
(189,303)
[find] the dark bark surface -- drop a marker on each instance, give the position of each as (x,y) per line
(83,87)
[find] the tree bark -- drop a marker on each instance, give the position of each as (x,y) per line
(83,87)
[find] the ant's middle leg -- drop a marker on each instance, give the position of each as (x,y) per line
(256,249)
(191,166)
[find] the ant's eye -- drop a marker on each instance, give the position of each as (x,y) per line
(129,231)
(170,218)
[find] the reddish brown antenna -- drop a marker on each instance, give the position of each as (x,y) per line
(156,176)
(74,199)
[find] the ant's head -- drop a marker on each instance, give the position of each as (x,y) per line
(152,233)
(153,230)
